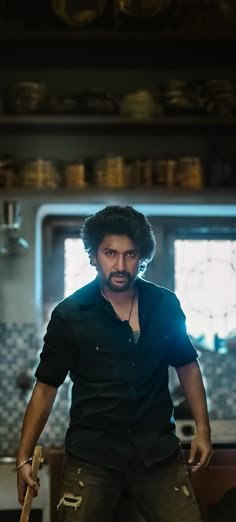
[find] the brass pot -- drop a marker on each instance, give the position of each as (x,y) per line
(27,97)
(76,13)
(142,8)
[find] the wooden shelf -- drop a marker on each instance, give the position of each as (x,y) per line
(141,195)
(116,125)
(71,48)
(164,34)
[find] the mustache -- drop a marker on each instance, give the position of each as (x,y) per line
(121,274)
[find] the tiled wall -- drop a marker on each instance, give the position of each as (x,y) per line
(219,373)
(19,353)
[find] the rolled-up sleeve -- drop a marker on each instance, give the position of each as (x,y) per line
(56,358)
(181,349)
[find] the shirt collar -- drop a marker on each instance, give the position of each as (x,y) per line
(149,298)
(90,294)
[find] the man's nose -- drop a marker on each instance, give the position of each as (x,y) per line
(120,263)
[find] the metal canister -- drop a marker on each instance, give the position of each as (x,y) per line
(74,176)
(39,173)
(146,173)
(110,172)
(189,173)
(164,172)
(8,177)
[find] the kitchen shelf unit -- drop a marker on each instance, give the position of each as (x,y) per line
(102,49)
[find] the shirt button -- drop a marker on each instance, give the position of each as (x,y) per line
(133,364)
(132,389)
(130,340)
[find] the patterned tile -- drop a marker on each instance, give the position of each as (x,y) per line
(19,352)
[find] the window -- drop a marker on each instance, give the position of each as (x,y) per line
(66,265)
(205,282)
(77,268)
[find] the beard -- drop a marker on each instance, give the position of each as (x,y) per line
(122,287)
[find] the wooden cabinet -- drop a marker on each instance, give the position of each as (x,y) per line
(215,487)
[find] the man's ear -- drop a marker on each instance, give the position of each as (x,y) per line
(93,261)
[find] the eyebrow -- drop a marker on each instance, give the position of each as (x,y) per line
(126,251)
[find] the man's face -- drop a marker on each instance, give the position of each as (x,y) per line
(117,262)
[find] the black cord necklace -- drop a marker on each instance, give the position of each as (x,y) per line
(131,307)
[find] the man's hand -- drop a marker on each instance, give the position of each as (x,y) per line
(201,449)
(24,479)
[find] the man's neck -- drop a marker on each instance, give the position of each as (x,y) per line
(118,297)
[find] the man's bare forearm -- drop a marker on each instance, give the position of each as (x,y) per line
(35,418)
(191,381)
(201,450)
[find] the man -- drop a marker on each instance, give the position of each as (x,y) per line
(117,337)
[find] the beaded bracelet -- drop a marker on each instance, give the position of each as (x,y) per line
(23,463)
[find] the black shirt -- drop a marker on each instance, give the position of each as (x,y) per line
(120,389)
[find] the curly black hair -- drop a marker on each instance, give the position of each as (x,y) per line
(115,219)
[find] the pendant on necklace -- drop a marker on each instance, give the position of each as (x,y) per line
(117,315)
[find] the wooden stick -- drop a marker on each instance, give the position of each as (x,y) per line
(29,491)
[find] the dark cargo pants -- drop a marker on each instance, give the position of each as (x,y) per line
(161,493)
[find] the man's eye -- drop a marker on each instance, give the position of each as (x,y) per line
(131,254)
(109,253)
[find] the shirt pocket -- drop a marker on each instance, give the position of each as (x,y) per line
(99,362)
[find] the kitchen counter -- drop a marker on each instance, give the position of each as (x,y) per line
(223,432)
